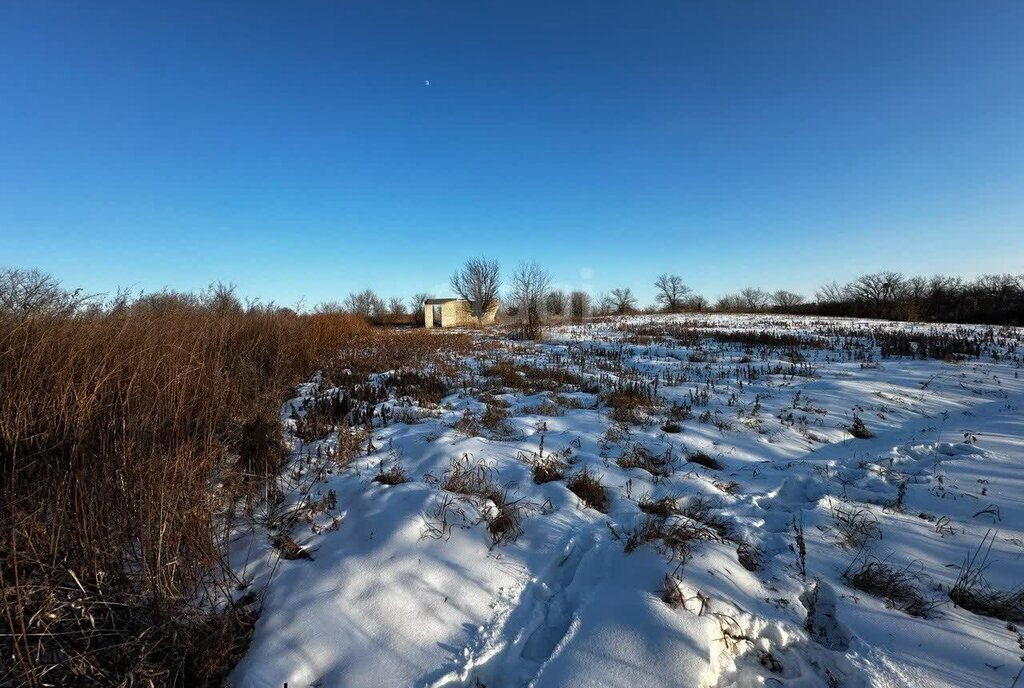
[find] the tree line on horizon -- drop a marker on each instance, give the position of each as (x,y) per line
(529,298)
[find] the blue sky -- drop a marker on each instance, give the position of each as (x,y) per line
(294,148)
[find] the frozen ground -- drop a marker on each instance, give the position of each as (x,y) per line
(469,573)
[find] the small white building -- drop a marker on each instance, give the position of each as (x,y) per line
(454,312)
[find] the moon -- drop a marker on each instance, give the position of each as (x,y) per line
(426,82)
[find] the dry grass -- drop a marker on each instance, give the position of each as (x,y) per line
(425,388)
(748,556)
(392,476)
(897,586)
(547,470)
(671,593)
(376,350)
(547,407)
(702,459)
(676,538)
(475,481)
(529,379)
(701,510)
(663,508)
(468,424)
(470,478)
(289,549)
(503,523)
(639,456)
(589,489)
(495,418)
(648,530)
(973,593)
(858,429)
(116,429)
(855,528)
(629,404)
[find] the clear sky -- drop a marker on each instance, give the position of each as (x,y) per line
(296,149)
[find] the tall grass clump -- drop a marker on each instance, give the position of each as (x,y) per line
(125,433)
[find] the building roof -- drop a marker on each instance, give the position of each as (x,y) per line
(447,299)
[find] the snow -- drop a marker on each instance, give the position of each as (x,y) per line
(392,598)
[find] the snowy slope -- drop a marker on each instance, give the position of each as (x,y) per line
(405,586)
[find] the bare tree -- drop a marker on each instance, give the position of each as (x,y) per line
(878,292)
(416,304)
(554,303)
(987,298)
(754,299)
(579,305)
(696,302)
(26,293)
(166,301)
(478,282)
(416,301)
(912,298)
(620,301)
(832,292)
(671,292)
(396,307)
(945,296)
(330,307)
(221,298)
(786,299)
(529,286)
(731,303)
(365,303)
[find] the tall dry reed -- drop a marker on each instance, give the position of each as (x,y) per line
(115,428)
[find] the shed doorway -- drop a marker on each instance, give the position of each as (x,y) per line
(437,316)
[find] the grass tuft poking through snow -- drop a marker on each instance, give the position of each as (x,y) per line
(664,507)
(702,459)
(972,592)
(547,470)
(899,586)
(392,476)
(589,489)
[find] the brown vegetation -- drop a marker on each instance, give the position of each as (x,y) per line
(546,471)
(897,586)
(663,508)
(589,489)
(126,434)
(973,593)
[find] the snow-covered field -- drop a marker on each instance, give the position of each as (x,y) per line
(774,548)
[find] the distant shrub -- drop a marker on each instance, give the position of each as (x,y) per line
(579,305)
